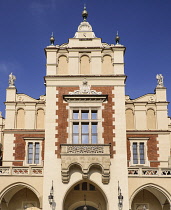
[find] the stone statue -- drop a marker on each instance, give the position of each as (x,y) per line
(12,79)
(159,78)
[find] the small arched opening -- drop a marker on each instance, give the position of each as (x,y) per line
(150,197)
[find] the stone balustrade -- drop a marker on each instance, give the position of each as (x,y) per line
(149,172)
(21,171)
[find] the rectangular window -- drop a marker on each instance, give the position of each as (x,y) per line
(33,153)
(138,153)
(84,126)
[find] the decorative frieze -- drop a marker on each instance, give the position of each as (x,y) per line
(85,149)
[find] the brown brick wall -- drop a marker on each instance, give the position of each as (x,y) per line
(19,148)
(62,112)
(152,147)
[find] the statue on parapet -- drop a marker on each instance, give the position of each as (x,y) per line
(159,78)
(12,79)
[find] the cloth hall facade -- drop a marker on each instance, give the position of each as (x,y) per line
(85,144)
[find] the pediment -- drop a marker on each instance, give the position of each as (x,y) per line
(145,98)
(25,98)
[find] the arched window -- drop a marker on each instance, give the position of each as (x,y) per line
(107,67)
(85,65)
(20,119)
(129,119)
(62,65)
(151,119)
(40,119)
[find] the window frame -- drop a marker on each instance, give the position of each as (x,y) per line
(89,121)
(138,141)
(34,141)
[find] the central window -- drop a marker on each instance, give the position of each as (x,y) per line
(85,126)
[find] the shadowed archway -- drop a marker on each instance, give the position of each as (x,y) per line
(85,192)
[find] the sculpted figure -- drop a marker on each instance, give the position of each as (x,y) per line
(12,79)
(159,78)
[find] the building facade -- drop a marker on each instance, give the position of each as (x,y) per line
(84,144)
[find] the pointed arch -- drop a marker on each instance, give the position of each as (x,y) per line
(11,190)
(156,190)
(73,200)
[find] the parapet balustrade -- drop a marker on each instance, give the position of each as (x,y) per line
(92,149)
(149,172)
(21,171)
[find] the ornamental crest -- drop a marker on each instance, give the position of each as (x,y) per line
(85,89)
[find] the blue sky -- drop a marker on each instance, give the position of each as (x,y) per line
(144,27)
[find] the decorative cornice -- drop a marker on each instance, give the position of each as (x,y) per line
(85,89)
(85,94)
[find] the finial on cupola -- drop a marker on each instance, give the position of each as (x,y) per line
(85,13)
(52,39)
(117,38)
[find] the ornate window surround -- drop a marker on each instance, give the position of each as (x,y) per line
(85,99)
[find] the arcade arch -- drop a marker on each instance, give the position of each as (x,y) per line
(19,196)
(85,193)
(150,197)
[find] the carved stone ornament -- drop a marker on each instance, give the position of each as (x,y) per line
(85,149)
(85,26)
(85,156)
(85,89)
(42,98)
(151,99)
(106,45)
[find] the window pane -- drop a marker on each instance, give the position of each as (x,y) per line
(77,187)
(135,154)
(84,128)
(142,159)
(75,128)
(94,139)
(84,114)
(94,128)
(75,114)
(92,187)
(84,186)
(75,139)
(85,139)
(94,114)
(30,153)
(36,155)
